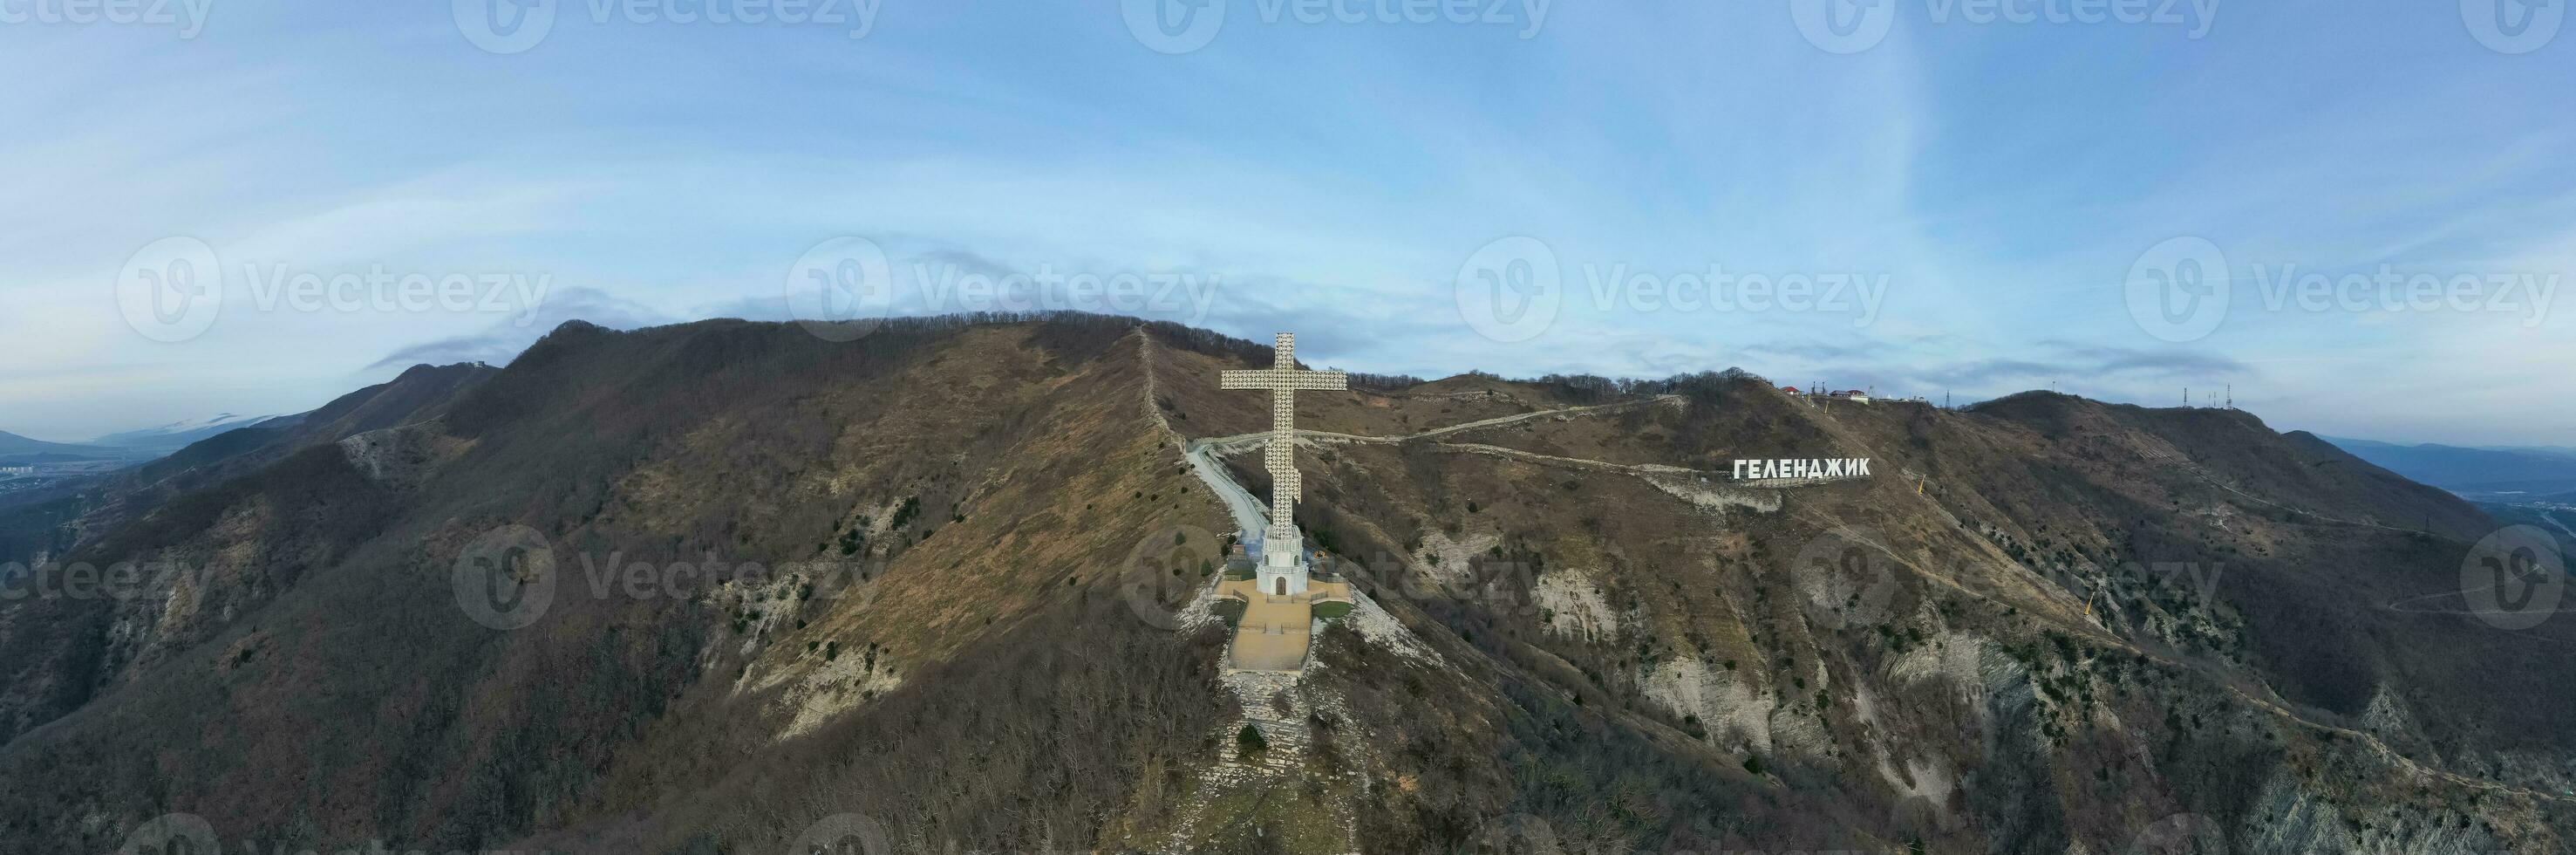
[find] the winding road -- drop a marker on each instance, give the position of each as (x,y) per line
(1247,510)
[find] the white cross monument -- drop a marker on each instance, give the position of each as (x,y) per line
(1283,555)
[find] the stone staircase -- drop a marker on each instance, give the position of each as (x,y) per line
(1285,729)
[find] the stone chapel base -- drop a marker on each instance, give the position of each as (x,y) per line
(1276,631)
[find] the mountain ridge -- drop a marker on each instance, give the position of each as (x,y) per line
(2093,618)
(2472,470)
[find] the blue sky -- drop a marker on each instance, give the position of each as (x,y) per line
(1992,195)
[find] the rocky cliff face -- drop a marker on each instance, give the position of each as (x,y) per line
(726,587)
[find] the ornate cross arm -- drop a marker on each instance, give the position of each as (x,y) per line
(1287,379)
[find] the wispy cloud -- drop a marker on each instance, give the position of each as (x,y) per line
(2003,179)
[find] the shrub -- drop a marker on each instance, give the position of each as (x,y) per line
(1250,740)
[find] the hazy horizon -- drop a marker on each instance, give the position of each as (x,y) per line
(2359,221)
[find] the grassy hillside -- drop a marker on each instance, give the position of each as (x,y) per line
(928,578)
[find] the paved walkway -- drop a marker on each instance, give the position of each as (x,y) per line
(1276,631)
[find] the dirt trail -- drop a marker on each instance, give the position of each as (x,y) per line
(2394,756)
(1443,431)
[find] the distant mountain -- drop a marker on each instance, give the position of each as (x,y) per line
(11,443)
(2485,471)
(2548,450)
(180,434)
